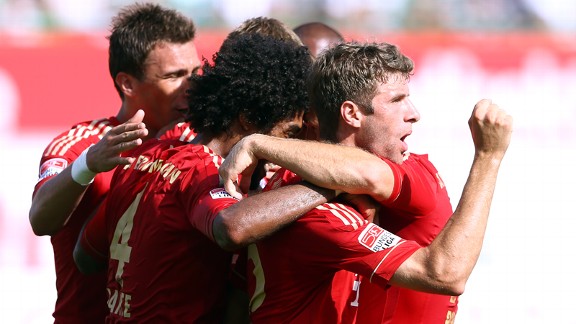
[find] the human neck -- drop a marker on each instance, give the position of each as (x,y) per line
(220,145)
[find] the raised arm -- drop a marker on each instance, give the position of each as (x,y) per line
(56,199)
(338,167)
(446,264)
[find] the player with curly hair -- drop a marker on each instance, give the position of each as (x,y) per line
(167,218)
(225,91)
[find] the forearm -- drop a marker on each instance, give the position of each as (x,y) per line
(258,216)
(445,265)
(457,248)
(337,167)
(54,202)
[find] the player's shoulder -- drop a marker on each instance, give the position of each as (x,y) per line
(337,215)
(182,131)
(87,128)
(80,136)
(418,159)
(165,154)
(200,155)
(420,163)
(163,150)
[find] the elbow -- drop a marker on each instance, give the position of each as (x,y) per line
(40,231)
(457,291)
(455,288)
(227,234)
(451,281)
(38,227)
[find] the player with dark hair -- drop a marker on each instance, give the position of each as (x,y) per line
(167,218)
(419,219)
(258,25)
(361,95)
(268,26)
(151,54)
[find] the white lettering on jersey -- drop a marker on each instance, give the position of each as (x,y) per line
(52,167)
(119,303)
(166,169)
(377,239)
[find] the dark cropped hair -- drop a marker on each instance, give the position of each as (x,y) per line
(137,29)
(352,71)
(267,26)
(256,76)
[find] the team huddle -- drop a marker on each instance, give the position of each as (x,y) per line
(272,184)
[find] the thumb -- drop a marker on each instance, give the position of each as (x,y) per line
(232,188)
(137,118)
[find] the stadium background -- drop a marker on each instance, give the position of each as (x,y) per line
(522,54)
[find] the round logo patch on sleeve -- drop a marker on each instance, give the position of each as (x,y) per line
(52,167)
(220,193)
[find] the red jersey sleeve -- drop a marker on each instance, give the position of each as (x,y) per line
(282,177)
(66,147)
(181,131)
(206,209)
(420,185)
(336,234)
(202,194)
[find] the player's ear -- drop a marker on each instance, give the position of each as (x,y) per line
(126,83)
(245,124)
(351,113)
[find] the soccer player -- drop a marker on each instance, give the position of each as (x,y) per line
(361,95)
(418,215)
(151,56)
(167,218)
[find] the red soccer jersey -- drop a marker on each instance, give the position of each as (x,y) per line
(181,132)
(81,298)
(164,266)
(296,275)
(419,214)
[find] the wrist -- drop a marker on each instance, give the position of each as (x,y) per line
(80,172)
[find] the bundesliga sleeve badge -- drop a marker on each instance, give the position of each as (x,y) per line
(52,167)
(375,238)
